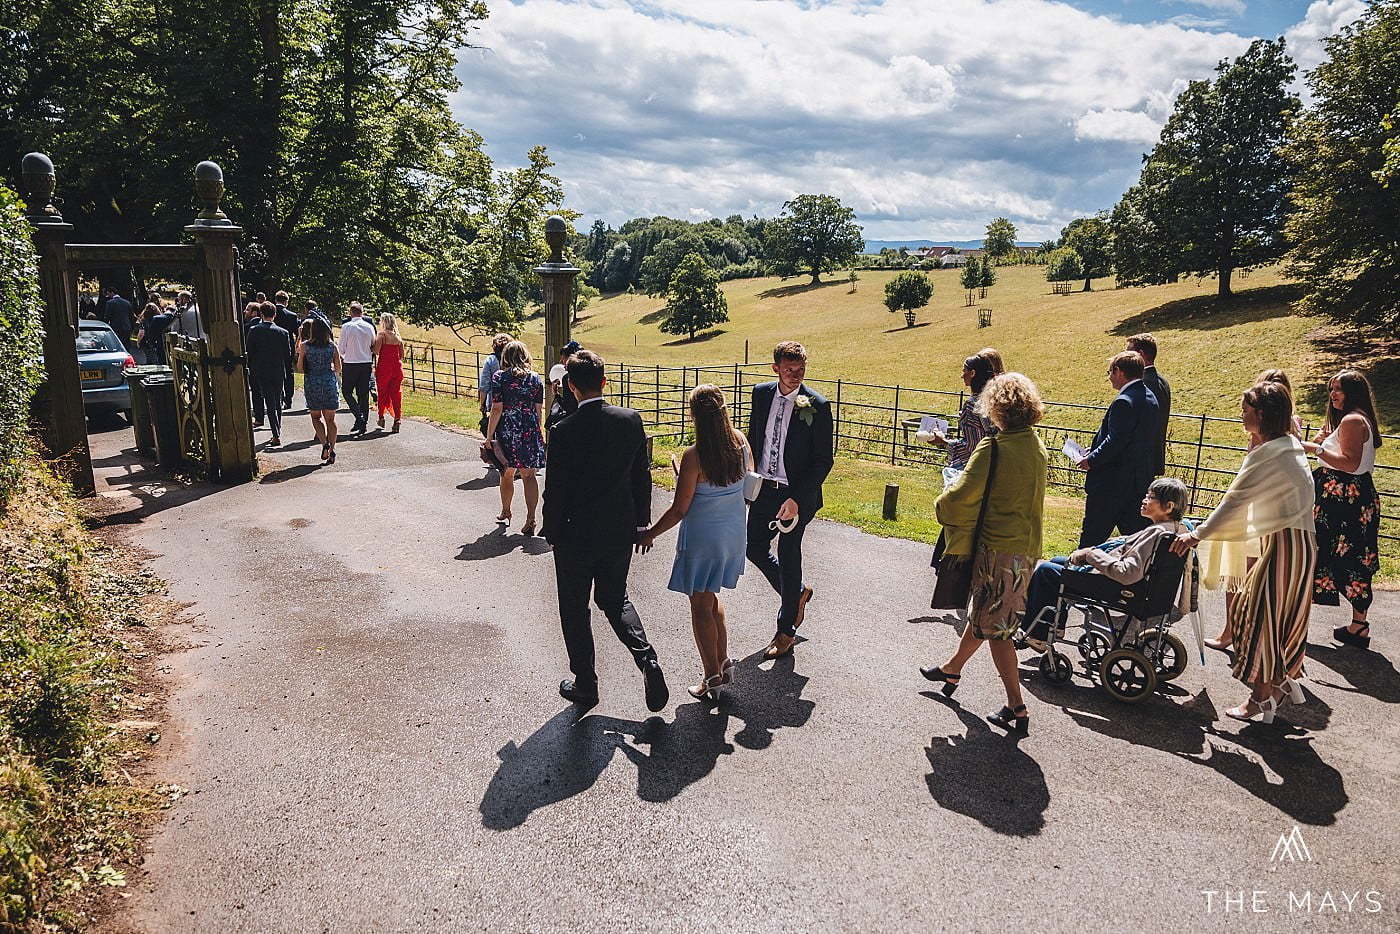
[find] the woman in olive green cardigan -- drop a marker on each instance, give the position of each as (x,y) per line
(1010,544)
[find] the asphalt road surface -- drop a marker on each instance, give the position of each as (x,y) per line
(366,719)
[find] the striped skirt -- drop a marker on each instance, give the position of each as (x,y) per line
(1270,615)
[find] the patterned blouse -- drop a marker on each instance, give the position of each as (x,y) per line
(972,428)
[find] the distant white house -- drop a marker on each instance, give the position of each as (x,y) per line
(953,259)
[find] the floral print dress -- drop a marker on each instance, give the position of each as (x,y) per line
(521,393)
(1348,517)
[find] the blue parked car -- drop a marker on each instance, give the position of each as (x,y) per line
(101,362)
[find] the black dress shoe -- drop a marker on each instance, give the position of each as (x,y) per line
(571,692)
(657,692)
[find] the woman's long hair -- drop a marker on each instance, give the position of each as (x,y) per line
(719,447)
(1356,397)
(516,356)
(983,369)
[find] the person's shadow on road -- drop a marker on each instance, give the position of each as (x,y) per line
(985,775)
(567,755)
(499,542)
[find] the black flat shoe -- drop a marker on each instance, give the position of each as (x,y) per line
(657,693)
(950,681)
(1012,721)
(570,692)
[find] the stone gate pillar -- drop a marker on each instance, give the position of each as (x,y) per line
(557,280)
(217,236)
(58,404)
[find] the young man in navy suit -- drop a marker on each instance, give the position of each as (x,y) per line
(1122,462)
(1146,346)
(790,435)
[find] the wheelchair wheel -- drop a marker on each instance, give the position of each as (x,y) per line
(1127,676)
(1055,667)
(1168,656)
(1093,646)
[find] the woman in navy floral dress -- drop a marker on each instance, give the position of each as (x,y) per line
(517,399)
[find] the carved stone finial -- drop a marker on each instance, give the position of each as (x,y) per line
(209,187)
(556,234)
(38,179)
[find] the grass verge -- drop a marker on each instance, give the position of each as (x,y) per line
(71,612)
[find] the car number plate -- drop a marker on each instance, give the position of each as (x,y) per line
(93,374)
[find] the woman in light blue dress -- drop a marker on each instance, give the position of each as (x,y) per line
(709,505)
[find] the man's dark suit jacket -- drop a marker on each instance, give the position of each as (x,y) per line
(287,320)
(119,315)
(267,350)
(807,456)
(597,481)
(1163,391)
(1124,453)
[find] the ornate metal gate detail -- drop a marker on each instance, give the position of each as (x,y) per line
(193,399)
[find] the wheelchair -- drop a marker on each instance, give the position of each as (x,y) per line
(1126,636)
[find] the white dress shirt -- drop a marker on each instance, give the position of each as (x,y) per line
(356,340)
(780,416)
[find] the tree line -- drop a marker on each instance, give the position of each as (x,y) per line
(1244,174)
(331,120)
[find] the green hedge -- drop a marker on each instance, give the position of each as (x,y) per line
(21,351)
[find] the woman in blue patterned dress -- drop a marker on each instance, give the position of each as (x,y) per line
(709,505)
(517,397)
(319,360)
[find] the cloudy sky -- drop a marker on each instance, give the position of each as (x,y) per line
(928,117)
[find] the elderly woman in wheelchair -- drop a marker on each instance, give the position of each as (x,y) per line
(1121,586)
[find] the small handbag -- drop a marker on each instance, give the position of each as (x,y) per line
(952,588)
(493,455)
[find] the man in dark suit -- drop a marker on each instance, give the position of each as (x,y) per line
(287,320)
(1122,459)
(269,355)
(790,434)
(1146,347)
(120,317)
(597,495)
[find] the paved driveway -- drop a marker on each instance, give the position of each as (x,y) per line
(368,724)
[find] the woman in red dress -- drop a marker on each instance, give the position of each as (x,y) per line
(388,369)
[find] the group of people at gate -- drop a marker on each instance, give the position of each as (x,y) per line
(1282,537)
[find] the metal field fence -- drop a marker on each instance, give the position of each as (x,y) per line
(878,422)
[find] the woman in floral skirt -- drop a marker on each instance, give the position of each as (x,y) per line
(1010,543)
(517,396)
(1348,510)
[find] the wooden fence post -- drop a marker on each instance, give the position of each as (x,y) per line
(891,507)
(454,373)
(412,372)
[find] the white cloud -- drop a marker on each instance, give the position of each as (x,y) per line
(1324,18)
(1232,7)
(1129,126)
(928,119)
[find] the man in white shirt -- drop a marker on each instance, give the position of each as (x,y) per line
(790,434)
(356,364)
(187,316)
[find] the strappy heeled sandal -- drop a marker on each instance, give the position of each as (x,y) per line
(1344,634)
(708,688)
(1011,720)
(950,681)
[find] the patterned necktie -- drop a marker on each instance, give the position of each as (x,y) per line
(777,436)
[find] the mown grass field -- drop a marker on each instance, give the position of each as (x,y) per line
(1209,350)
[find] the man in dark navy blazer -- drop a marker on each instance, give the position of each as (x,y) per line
(790,435)
(1146,346)
(1122,461)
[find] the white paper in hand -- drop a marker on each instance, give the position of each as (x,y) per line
(932,423)
(1073,451)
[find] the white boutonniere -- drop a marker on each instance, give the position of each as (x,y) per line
(803,405)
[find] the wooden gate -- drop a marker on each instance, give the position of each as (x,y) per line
(194,409)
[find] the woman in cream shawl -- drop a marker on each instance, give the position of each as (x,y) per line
(1269,502)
